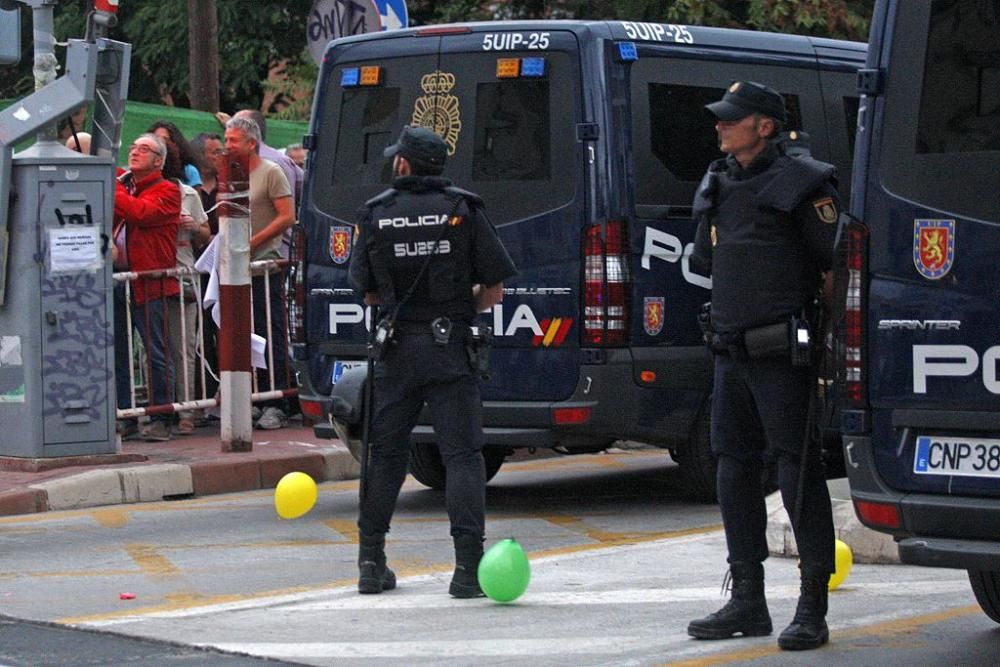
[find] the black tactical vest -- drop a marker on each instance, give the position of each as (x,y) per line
(762,270)
(418,220)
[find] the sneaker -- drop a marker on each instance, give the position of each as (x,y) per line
(158,431)
(271,419)
(255,414)
(127,429)
(185,426)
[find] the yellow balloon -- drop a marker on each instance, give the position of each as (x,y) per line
(295,495)
(843,559)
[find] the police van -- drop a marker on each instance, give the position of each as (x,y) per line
(586,141)
(919,330)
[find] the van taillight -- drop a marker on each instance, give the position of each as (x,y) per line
(606,284)
(853,368)
(882,515)
(296,287)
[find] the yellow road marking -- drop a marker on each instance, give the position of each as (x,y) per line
(116,517)
(885,629)
(150,561)
(68,574)
(184,603)
(345,527)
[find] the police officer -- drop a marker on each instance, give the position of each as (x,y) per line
(767,224)
(429,256)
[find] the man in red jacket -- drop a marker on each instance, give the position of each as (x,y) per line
(150,208)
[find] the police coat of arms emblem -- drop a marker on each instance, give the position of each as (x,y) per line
(933,247)
(652,320)
(340,243)
(437,109)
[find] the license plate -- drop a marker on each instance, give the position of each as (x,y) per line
(340,366)
(964,457)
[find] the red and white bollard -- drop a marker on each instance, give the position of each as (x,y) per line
(235,370)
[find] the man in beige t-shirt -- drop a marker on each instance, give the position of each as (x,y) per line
(271,213)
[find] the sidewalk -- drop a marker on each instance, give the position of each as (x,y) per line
(186,466)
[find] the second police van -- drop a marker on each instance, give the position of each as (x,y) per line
(586,141)
(919,324)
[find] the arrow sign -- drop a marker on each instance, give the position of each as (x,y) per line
(394,14)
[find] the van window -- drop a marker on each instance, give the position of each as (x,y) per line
(957,128)
(960,100)
(511,132)
(368,117)
(673,154)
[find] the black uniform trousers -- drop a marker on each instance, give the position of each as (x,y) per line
(414,371)
(759,414)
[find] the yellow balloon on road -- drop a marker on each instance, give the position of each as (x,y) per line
(843,559)
(295,495)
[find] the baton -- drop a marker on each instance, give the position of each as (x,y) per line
(369,408)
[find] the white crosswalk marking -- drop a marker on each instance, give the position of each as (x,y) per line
(440,649)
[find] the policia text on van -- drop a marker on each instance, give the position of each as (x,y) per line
(587,141)
(917,333)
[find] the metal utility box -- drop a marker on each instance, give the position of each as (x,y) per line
(56,327)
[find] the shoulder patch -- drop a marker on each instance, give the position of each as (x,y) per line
(826,210)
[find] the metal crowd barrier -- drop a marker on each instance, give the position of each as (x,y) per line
(206,365)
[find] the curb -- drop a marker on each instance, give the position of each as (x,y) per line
(165,481)
(867,545)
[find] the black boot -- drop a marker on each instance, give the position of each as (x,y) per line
(808,629)
(375,576)
(745,613)
(465,581)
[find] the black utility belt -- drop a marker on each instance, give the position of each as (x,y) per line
(790,339)
(442,329)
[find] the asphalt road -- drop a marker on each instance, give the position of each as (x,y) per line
(620,562)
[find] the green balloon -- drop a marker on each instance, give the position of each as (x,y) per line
(504,572)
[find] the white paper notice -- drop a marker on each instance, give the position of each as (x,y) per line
(10,351)
(74,249)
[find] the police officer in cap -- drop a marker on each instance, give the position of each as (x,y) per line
(767,224)
(430,258)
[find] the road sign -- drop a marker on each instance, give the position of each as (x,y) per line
(330,19)
(393,14)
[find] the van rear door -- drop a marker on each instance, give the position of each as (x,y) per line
(516,146)
(507,103)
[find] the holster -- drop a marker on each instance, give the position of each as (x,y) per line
(479,345)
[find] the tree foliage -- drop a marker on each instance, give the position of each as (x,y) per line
(264,63)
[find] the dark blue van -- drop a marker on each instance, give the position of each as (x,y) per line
(587,140)
(919,330)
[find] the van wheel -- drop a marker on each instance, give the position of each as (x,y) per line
(986,586)
(696,461)
(427,468)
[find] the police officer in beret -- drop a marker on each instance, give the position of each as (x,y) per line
(430,258)
(767,224)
